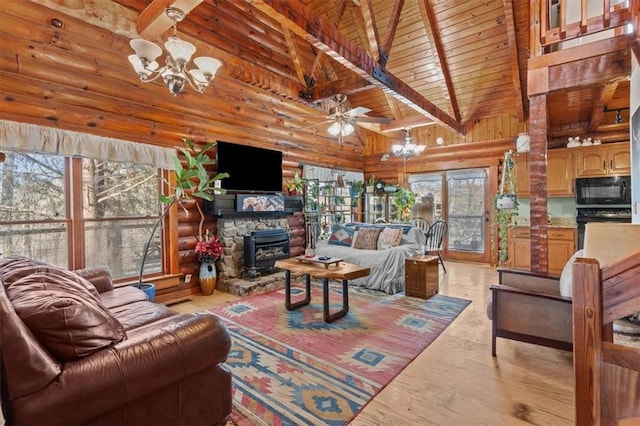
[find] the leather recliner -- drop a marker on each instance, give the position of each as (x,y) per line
(77,350)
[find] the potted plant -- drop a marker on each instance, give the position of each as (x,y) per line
(505,208)
(209,249)
(404,199)
(296,184)
(192,181)
(371,184)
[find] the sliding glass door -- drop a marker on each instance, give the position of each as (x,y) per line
(460,197)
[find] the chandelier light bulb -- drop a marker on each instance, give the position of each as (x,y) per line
(173,72)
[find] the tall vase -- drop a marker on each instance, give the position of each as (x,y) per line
(208,277)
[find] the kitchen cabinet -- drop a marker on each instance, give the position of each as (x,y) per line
(522,175)
(561,244)
(603,160)
(560,173)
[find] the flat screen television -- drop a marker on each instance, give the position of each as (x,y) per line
(250,169)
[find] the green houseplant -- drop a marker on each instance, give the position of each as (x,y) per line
(505,208)
(404,199)
(296,184)
(191,181)
(370,185)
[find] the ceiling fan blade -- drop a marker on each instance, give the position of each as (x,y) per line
(316,124)
(357,111)
(380,120)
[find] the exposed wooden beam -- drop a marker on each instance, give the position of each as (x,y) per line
(515,66)
(342,7)
(596,70)
(597,112)
(368,19)
(293,53)
(429,16)
(401,124)
(316,31)
(153,21)
(393,106)
(391,31)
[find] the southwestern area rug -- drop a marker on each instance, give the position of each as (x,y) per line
(292,368)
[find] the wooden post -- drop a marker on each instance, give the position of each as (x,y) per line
(587,340)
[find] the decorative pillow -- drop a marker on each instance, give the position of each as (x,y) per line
(341,235)
(367,238)
(566,278)
(61,313)
(389,237)
(355,236)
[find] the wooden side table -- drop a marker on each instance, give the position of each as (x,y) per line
(421,277)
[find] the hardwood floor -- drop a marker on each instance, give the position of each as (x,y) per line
(456,380)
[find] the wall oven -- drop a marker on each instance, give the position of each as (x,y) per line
(607,190)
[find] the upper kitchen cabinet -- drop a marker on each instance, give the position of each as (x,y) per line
(522,175)
(604,160)
(560,173)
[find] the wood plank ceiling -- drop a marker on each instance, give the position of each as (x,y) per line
(416,62)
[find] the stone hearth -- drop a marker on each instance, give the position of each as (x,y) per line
(232,276)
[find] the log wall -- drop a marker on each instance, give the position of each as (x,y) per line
(75,76)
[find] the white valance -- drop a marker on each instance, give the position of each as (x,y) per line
(327,174)
(23,137)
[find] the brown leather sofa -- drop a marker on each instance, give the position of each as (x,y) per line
(77,350)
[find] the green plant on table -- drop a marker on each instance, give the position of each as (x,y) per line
(296,184)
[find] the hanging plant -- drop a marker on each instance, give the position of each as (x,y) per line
(505,209)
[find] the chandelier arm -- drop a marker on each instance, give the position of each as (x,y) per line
(157,73)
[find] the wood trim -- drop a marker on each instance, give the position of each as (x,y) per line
(596,48)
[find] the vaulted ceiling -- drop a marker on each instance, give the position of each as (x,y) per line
(419,63)
(416,62)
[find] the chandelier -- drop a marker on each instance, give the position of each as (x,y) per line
(174,73)
(408,149)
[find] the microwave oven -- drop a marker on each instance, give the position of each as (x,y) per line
(603,190)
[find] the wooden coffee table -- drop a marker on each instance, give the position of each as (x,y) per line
(338,271)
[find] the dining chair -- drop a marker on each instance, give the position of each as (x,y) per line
(436,234)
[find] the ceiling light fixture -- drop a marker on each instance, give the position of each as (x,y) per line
(341,127)
(174,72)
(408,149)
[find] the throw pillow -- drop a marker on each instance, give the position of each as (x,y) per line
(389,237)
(341,235)
(566,277)
(60,312)
(367,238)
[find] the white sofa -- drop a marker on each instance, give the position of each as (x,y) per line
(387,265)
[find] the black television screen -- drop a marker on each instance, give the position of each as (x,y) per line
(250,168)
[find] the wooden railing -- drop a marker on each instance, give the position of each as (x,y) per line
(607,375)
(616,18)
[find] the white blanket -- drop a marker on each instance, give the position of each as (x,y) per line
(387,266)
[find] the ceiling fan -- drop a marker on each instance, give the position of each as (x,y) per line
(343,120)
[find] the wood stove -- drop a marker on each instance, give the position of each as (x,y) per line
(263,248)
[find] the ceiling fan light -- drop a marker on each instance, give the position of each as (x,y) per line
(334,129)
(347,129)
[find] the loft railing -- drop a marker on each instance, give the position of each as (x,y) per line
(561,21)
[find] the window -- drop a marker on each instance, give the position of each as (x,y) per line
(107,222)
